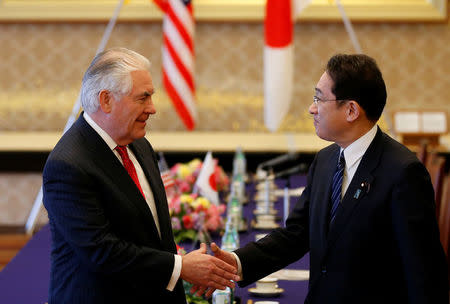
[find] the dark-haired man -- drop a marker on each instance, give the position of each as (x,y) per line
(367,215)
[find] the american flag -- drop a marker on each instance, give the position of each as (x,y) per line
(166,175)
(167,179)
(178,57)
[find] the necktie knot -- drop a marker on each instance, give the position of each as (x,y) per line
(122,151)
(341,164)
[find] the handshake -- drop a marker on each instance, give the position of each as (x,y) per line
(207,272)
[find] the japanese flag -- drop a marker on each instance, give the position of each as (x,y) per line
(206,180)
(278,61)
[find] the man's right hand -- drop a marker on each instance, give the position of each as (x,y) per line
(223,255)
(207,271)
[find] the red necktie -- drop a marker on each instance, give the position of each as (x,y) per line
(128,164)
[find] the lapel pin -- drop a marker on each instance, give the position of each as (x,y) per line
(366,185)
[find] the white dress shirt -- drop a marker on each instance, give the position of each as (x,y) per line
(145,188)
(353,155)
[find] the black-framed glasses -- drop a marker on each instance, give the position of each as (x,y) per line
(317,100)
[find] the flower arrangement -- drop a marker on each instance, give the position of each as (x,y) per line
(191,213)
(185,175)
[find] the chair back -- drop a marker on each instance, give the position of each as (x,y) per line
(444,217)
(435,165)
(444,222)
(422,153)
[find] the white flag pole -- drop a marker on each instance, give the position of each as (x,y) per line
(37,205)
(110,27)
(349,28)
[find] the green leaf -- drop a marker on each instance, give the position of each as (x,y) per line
(185,235)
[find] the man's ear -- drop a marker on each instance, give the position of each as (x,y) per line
(105,99)
(353,111)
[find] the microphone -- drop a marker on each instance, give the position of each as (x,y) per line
(278,160)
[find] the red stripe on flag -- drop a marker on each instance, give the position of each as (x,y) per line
(180,107)
(179,64)
(174,53)
(180,27)
(189,8)
(167,181)
(278,23)
(162,4)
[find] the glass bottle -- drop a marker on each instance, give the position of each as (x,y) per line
(230,239)
(222,296)
(234,207)
(230,242)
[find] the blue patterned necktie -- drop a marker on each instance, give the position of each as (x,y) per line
(336,187)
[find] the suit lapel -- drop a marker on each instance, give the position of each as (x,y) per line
(358,188)
(110,165)
(151,171)
(322,196)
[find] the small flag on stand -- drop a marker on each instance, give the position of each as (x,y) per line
(166,175)
(178,57)
(206,180)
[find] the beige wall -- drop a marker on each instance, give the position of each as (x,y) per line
(41,66)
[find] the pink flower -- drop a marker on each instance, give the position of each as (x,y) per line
(190,179)
(213,223)
(212,210)
(184,187)
(200,208)
(221,208)
(174,169)
(176,225)
(175,205)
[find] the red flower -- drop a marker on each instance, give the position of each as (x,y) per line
(180,250)
(187,222)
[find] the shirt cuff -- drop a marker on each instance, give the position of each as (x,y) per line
(239,266)
(175,273)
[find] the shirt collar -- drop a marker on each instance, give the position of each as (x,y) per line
(356,149)
(105,136)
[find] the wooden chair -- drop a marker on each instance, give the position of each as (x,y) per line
(435,165)
(444,217)
(422,152)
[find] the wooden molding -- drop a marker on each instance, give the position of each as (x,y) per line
(12,11)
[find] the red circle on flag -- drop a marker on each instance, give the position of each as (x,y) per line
(212,182)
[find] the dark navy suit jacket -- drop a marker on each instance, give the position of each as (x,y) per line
(383,246)
(105,244)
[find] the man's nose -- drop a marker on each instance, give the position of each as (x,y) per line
(312,108)
(150,108)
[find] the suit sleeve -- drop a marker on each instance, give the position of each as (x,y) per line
(282,246)
(417,236)
(75,210)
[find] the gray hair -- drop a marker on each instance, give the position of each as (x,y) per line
(110,70)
